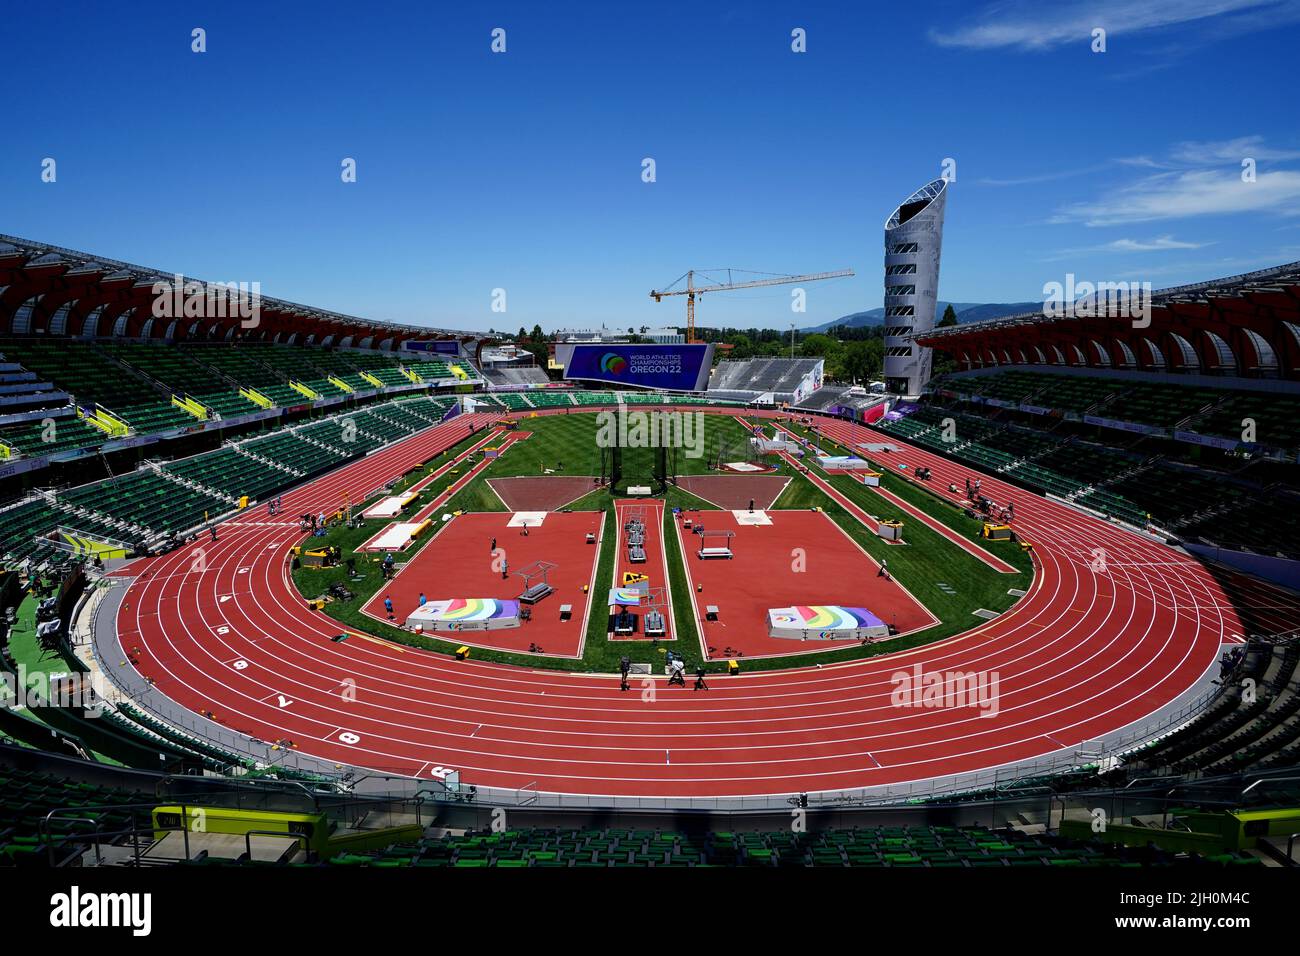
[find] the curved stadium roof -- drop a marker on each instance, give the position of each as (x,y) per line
(62,288)
(1245,324)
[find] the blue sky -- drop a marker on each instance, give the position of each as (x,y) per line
(522,170)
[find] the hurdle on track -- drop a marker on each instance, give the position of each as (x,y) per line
(721,550)
(535,589)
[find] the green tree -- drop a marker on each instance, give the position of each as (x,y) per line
(941,362)
(863,360)
(539,351)
(819,345)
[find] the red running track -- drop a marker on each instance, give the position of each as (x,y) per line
(1083,654)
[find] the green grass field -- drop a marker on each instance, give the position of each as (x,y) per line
(567,444)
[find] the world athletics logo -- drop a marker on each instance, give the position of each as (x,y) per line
(612,363)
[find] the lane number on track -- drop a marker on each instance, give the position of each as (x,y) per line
(240,665)
(284,701)
(348,737)
(441,773)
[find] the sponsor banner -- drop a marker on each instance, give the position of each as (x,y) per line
(20,465)
(132,442)
(818,374)
(435,346)
(20,394)
(38,415)
(1137,427)
(1283,571)
(245,419)
(1035,409)
(999,403)
(1212,441)
(875,412)
(680,368)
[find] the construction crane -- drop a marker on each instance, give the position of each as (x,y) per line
(691,290)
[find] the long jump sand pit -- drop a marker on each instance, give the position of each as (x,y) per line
(801,558)
(459,563)
(542,492)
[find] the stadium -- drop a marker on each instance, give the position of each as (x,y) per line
(336,561)
(312,566)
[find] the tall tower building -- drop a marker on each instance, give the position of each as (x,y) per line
(913,241)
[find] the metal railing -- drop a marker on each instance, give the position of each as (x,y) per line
(299,838)
(349,813)
(1151,797)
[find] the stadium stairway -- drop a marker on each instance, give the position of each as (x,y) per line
(195,486)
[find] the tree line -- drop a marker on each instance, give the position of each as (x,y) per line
(851,353)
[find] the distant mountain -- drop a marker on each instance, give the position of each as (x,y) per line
(994,310)
(966,312)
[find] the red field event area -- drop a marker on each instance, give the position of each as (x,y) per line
(800,558)
(481,556)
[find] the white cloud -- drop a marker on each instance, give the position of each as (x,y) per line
(1158,244)
(1230,151)
(1028,25)
(1198,271)
(1145,161)
(1149,245)
(1044,177)
(1179,195)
